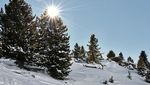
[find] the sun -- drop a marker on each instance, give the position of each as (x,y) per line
(53,11)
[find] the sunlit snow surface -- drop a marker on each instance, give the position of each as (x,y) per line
(80,75)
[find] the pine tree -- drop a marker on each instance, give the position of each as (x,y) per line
(144,56)
(16,23)
(83,53)
(129,75)
(57,49)
(121,56)
(130,63)
(1,14)
(94,54)
(40,43)
(76,52)
(111,54)
(34,44)
(130,60)
(142,63)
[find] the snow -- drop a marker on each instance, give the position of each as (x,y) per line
(80,75)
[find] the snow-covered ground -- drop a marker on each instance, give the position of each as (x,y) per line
(80,75)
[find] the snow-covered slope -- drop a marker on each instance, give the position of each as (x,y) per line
(80,75)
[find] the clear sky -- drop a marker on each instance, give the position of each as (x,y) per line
(120,25)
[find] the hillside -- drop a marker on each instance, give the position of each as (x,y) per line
(80,75)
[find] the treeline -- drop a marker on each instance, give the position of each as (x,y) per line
(93,55)
(34,41)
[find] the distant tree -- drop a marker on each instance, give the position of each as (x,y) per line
(94,54)
(16,32)
(130,63)
(142,63)
(76,52)
(83,53)
(144,56)
(130,60)
(111,54)
(121,56)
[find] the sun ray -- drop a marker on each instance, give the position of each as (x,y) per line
(53,11)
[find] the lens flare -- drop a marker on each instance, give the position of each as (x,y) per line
(53,11)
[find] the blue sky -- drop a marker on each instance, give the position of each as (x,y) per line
(120,25)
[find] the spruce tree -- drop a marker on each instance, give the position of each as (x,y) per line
(40,40)
(83,53)
(144,56)
(111,54)
(34,44)
(142,63)
(57,59)
(94,54)
(76,52)
(1,14)
(16,23)
(121,56)
(130,60)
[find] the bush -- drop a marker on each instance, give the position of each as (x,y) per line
(129,75)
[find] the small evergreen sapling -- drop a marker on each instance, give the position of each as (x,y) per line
(111,80)
(129,75)
(105,82)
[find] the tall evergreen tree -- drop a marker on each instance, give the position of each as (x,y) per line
(76,51)
(41,38)
(57,48)
(111,54)
(94,54)
(141,67)
(1,14)
(16,23)
(144,56)
(143,63)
